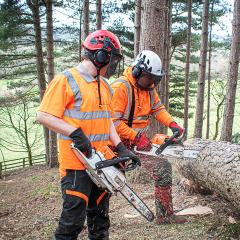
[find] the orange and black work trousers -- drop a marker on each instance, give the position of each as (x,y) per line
(81,199)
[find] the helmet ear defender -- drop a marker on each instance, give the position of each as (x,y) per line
(137,70)
(101,56)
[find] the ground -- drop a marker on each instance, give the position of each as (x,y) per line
(30,204)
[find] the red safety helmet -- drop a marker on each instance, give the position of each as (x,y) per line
(103,48)
(94,41)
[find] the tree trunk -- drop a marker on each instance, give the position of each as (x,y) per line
(219,116)
(217,167)
(34,6)
(137,24)
(226,133)
(167,47)
(50,53)
(164,85)
(80,29)
(99,14)
(53,151)
(202,72)
(154,30)
(187,67)
(26,131)
(209,73)
(85,29)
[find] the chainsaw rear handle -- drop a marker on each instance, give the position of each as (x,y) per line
(167,143)
(111,162)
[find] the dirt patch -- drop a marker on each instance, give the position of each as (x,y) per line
(30,205)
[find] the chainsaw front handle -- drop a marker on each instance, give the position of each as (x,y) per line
(111,162)
(167,143)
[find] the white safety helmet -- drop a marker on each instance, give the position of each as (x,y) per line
(149,62)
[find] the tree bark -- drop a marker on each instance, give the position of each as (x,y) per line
(99,14)
(226,134)
(219,116)
(164,85)
(85,29)
(217,167)
(209,72)
(137,24)
(53,151)
(202,72)
(50,46)
(80,6)
(187,67)
(167,47)
(34,6)
(154,30)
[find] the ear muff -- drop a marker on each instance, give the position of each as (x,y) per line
(101,56)
(136,71)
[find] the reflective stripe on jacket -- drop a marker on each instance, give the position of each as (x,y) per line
(147,104)
(73,97)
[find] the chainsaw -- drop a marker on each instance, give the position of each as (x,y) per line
(171,147)
(102,169)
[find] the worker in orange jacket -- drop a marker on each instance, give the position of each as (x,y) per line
(77,106)
(134,102)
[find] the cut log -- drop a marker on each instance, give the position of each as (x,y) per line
(217,167)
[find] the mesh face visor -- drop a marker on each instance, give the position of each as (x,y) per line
(114,60)
(157,79)
(148,81)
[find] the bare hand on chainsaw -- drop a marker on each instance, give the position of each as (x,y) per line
(124,152)
(142,142)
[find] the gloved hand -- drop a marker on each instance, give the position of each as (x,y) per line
(142,142)
(176,128)
(124,152)
(81,142)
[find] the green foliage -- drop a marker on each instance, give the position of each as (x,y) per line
(176,94)
(236,138)
(125,35)
(179,40)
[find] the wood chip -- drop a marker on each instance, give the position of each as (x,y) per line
(231,220)
(131,215)
(197,210)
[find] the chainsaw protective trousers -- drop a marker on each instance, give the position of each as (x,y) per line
(81,198)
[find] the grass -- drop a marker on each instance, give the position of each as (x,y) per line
(46,191)
(230,231)
(5,133)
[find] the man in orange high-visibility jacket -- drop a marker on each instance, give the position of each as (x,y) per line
(134,102)
(77,106)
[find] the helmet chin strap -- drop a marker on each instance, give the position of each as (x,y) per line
(99,86)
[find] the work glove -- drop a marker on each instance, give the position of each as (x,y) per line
(124,152)
(81,142)
(142,142)
(176,128)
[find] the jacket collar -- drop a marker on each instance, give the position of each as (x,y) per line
(84,73)
(128,74)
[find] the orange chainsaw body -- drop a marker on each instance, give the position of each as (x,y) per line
(159,139)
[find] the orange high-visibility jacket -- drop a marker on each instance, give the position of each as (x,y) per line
(73,97)
(147,104)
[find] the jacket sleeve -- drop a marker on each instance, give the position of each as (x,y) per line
(57,96)
(118,106)
(159,111)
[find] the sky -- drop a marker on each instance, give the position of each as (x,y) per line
(223,30)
